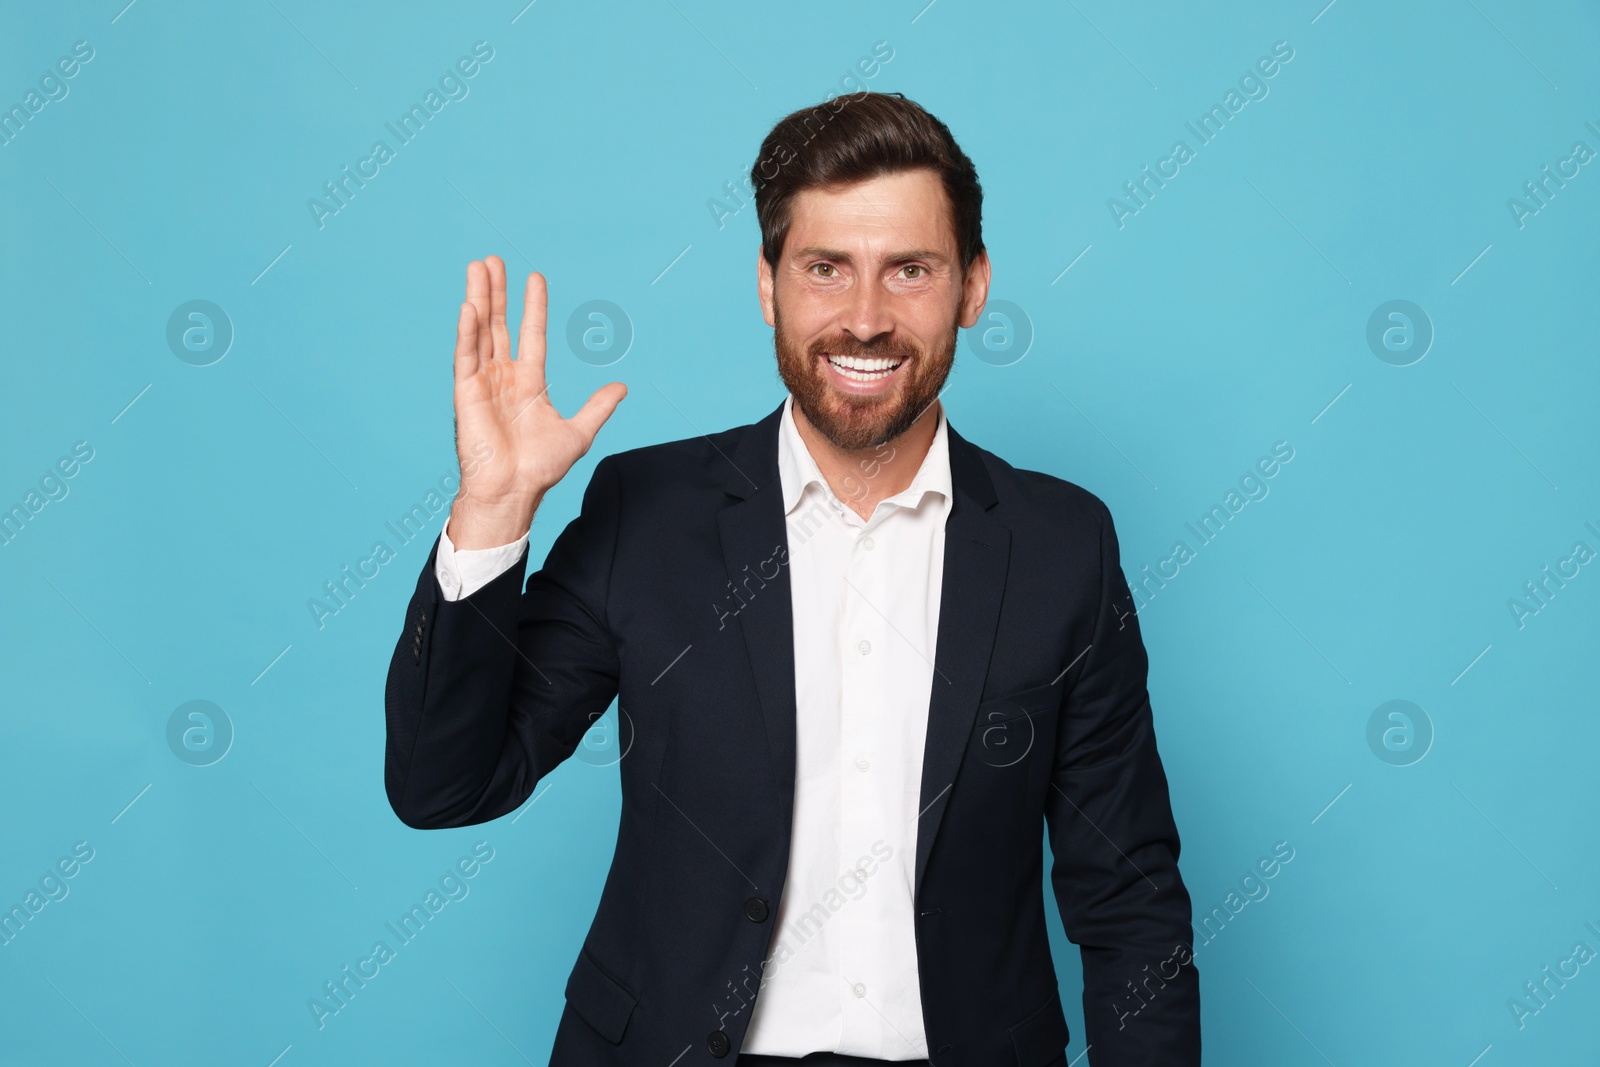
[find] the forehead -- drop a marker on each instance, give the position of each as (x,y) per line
(904,209)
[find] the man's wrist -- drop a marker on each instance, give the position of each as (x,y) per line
(477,524)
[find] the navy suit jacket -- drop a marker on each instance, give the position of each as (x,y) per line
(670,592)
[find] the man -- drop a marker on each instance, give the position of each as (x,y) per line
(861,660)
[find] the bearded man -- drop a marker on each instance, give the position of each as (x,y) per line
(860,663)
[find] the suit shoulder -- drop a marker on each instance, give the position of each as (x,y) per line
(1063,500)
(687,461)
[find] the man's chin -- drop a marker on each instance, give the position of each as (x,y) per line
(855,422)
(857,403)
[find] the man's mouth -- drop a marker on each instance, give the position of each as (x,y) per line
(865,368)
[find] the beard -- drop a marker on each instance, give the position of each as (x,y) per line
(856,423)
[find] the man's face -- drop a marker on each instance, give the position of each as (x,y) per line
(865,302)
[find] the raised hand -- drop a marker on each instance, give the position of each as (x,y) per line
(512,443)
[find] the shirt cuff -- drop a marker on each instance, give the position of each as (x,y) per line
(462,572)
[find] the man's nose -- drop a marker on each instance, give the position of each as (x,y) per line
(869,314)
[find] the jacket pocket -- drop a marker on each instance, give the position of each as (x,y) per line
(997,710)
(600,1000)
(1008,728)
(1043,1035)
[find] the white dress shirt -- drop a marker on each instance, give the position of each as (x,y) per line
(841,972)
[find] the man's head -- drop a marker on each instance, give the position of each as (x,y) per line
(871,258)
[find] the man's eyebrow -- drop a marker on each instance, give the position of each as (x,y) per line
(818,252)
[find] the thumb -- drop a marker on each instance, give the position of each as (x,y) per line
(598,409)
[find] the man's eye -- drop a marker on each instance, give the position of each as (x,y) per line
(826,269)
(917,268)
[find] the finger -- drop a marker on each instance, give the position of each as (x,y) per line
(498,333)
(531,338)
(478,295)
(597,410)
(466,363)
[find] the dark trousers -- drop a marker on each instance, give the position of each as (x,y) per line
(820,1059)
(836,1059)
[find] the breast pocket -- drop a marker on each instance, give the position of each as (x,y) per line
(1009,728)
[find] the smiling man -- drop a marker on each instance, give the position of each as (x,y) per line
(917,660)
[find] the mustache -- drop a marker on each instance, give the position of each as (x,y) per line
(849,346)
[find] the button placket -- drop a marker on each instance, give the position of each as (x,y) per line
(871,654)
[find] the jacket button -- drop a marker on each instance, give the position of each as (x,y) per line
(718,1044)
(755,909)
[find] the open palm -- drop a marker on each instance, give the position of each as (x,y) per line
(504,404)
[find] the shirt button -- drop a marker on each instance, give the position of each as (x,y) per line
(864,647)
(862,764)
(861,874)
(866,543)
(860,990)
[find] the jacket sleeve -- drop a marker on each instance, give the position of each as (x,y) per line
(488,694)
(1115,844)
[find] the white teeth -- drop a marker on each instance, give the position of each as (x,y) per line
(861,369)
(863,363)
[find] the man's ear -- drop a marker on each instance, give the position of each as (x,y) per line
(764,286)
(974,290)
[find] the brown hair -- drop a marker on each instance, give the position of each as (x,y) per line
(853,138)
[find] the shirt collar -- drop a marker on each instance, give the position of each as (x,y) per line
(797,468)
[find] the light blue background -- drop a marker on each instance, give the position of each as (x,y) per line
(1228,314)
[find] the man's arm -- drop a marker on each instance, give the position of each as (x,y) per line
(1116,846)
(488,689)
(489,693)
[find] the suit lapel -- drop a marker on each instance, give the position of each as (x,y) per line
(976,557)
(977,553)
(752,528)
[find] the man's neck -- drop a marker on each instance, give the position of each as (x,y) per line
(861,478)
